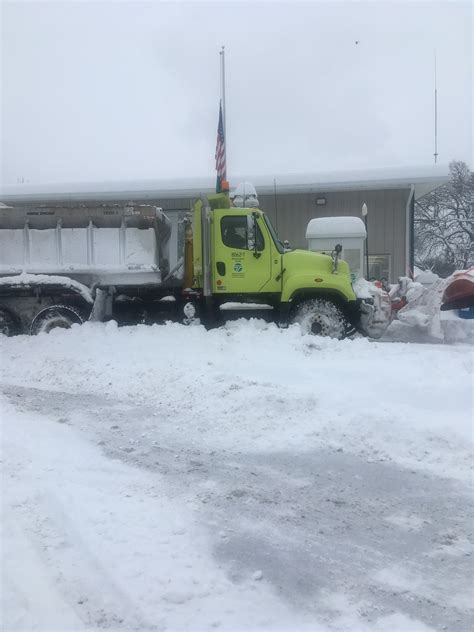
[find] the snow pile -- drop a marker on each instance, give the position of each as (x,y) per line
(364,289)
(245,478)
(374,324)
(456,329)
(423,306)
(423,309)
(252,386)
(425,277)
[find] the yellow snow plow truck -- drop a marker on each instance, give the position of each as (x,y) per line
(59,267)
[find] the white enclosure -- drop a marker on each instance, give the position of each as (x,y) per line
(323,233)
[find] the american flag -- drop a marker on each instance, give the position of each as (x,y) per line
(221,167)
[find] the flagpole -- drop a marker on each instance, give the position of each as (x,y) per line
(224,117)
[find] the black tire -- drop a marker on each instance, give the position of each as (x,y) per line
(321,317)
(9,323)
(63,316)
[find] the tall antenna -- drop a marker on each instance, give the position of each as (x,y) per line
(435,112)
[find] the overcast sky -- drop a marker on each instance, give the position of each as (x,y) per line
(119,91)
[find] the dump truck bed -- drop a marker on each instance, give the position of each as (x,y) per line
(97,246)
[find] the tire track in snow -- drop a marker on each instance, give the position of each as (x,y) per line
(314,522)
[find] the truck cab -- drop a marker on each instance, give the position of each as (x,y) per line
(241,260)
(247,258)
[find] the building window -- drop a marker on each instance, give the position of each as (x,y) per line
(380,267)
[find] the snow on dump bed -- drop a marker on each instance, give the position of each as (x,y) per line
(245,478)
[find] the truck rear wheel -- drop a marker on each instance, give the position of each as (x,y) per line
(321,317)
(63,316)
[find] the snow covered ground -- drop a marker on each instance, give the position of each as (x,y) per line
(246,478)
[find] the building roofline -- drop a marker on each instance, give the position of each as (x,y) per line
(428,177)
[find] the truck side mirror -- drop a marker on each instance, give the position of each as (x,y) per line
(252,234)
(335,257)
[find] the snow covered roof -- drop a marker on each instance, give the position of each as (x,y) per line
(320,227)
(423,178)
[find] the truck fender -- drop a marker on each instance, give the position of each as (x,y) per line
(350,309)
(304,294)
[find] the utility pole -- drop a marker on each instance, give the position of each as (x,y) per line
(435,112)
(364,215)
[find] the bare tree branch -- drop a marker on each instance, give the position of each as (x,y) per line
(444,224)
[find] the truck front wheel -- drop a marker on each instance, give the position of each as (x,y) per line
(62,316)
(320,317)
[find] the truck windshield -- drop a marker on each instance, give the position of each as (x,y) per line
(273,234)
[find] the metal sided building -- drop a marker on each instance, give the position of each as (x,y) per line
(291,201)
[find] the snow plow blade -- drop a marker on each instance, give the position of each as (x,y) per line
(375,308)
(460,292)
